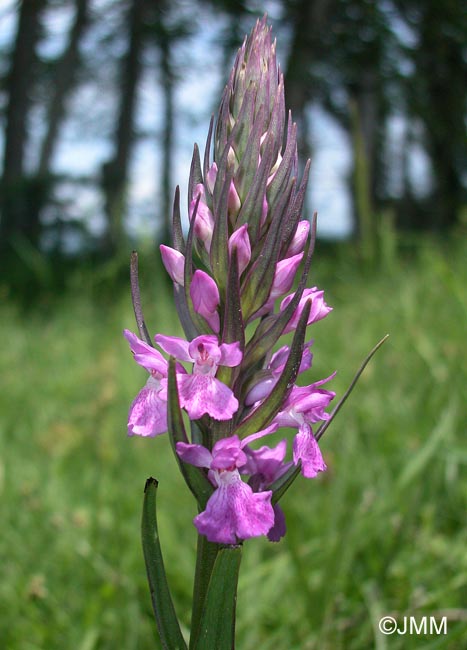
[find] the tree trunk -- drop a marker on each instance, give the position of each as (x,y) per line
(115,171)
(309,19)
(63,82)
(167,83)
(15,203)
(438,97)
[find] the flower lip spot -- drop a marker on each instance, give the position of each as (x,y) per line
(231,468)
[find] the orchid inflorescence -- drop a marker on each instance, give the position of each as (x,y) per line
(245,244)
(234,378)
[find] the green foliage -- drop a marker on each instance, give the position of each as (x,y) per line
(382,532)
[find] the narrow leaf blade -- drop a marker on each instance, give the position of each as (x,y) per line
(164,611)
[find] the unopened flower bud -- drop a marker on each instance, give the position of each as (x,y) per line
(240,240)
(297,245)
(205,297)
(204,224)
(174,263)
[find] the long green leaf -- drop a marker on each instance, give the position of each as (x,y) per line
(217,626)
(164,611)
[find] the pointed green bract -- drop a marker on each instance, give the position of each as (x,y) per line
(269,331)
(164,611)
(234,329)
(282,484)
(219,255)
(177,232)
(196,174)
(258,284)
(263,415)
(136,299)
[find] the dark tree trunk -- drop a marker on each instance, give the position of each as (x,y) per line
(15,199)
(42,182)
(308,20)
(437,97)
(63,83)
(115,171)
(446,72)
(167,83)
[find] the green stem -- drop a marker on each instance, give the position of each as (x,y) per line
(206,554)
(215,625)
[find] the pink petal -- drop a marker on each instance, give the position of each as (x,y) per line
(231,354)
(313,405)
(284,419)
(196,455)
(319,309)
(267,461)
(307,357)
(148,412)
(175,346)
(235,512)
(227,453)
(200,394)
(145,355)
(174,263)
(279,529)
(279,359)
(306,449)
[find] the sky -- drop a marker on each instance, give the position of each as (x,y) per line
(83,147)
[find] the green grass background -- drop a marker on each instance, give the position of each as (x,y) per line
(383,532)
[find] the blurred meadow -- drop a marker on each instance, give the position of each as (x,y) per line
(100,101)
(382,532)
